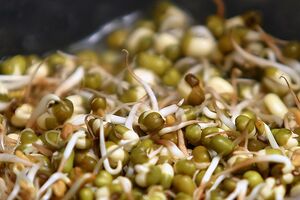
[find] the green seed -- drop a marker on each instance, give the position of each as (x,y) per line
(249,114)
(193,134)
(15,65)
(116,189)
(228,184)
(153,176)
(255,145)
(183,196)
(69,163)
(222,145)
(252,18)
(144,44)
(46,166)
(51,123)
(28,136)
(166,181)
(253,177)
(160,10)
(98,103)
(52,139)
(206,132)
(111,61)
(139,154)
(103,178)
(92,81)
(225,44)
(243,122)
(63,110)
(239,33)
(117,38)
(157,64)
(189,113)
(86,194)
(137,194)
(149,24)
(199,176)
(215,25)
(219,169)
(184,183)
(270,151)
(55,61)
(130,95)
(282,135)
(171,137)
(218,195)
(201,154)
(186,167)
(292,50)
(87,58)
(172,52)
(151,121)
(88,163)
(172,77)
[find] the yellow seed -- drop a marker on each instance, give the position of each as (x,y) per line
(59,188)
(170,120)
(16,94)
(296,158)
(20,154)
(27,191)
(220,85)
(275,105)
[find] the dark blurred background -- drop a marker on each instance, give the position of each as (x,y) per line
(37,26)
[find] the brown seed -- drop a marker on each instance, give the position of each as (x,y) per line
(196,97)
(66,131)
(192,80)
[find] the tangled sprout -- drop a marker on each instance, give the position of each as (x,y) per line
(195,112)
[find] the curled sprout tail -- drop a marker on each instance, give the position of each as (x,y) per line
(103,153)
(147,87)
(41,108)
(297,101)
(69,148)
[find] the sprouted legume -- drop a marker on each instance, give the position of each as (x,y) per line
(190,112)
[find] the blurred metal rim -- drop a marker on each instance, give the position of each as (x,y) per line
(38,26)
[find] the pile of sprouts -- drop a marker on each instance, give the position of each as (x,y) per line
(167,110)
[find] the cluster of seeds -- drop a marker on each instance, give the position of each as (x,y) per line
(200,112)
